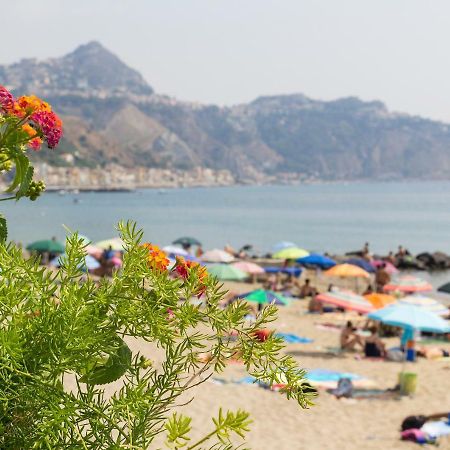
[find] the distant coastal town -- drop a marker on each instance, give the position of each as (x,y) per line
(114,177)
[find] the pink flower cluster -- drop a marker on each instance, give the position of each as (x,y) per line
(6,99)
(51,126)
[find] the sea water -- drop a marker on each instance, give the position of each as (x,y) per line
(319,217)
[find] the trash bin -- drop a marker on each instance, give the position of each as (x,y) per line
(407,382)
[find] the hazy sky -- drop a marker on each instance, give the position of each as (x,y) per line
(231,51)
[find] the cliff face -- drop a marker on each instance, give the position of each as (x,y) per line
(112,116)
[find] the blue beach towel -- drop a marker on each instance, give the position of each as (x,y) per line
(330,375)
(293,338)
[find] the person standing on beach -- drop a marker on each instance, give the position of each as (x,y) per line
(381,277)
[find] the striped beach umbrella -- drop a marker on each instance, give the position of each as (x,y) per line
(347,300)
(409,284)
(428,303)
(217,255)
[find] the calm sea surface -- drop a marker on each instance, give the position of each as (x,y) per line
(331,217)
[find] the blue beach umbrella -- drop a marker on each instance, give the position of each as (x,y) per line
(410,316)
(315,259)
(362,263)
(294,271)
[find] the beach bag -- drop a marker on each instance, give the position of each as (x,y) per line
(344,388)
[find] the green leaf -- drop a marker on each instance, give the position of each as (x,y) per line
(116,365)
(25,182)
(3,229)
(22,164)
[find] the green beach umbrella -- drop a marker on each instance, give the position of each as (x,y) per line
(225,272)
(291,253)
(262,296)
(48,245)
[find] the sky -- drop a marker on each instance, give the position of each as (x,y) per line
(232,51)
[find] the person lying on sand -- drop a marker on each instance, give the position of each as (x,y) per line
(349,339)
(432,352)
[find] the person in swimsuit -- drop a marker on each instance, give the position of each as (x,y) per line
(373,345)
(349,339)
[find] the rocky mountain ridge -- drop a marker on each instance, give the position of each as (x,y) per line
(112,116)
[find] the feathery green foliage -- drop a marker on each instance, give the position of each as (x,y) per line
(64,337)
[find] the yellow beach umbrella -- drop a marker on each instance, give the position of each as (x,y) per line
(116,244)
(347,270)
(291,253)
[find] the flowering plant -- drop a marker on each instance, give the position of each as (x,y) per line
(106,365)
(25,122)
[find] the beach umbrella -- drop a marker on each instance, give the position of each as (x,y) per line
(362,263)
(49,245)
(380,300)
(315,259)
(248,267)
(445,288)
(294,271)
(347,300)
(283,245)
(290,253)
(116,244)
(388,267)
(217,255)
(428,303)
(90,263)
(410,316)
(227,272)
(187,241)
(346,270)
(175,251)
(408,283)
(94,251)
(263,296)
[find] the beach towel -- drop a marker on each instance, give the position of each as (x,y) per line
(436,429)
(330,375)
(329,379)
(293,338)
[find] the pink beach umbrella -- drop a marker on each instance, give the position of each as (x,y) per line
(94,251)
(389,267)
(248,267)
(116,261)
(408,284)
(346,299)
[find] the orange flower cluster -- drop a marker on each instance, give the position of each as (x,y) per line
(36,142)
(156,258)
(28,104)
(183,268)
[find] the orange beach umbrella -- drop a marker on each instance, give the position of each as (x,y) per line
(347,270)
(380,300)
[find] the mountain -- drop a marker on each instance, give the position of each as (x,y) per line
(111,115)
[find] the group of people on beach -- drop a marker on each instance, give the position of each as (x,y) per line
(372,345)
